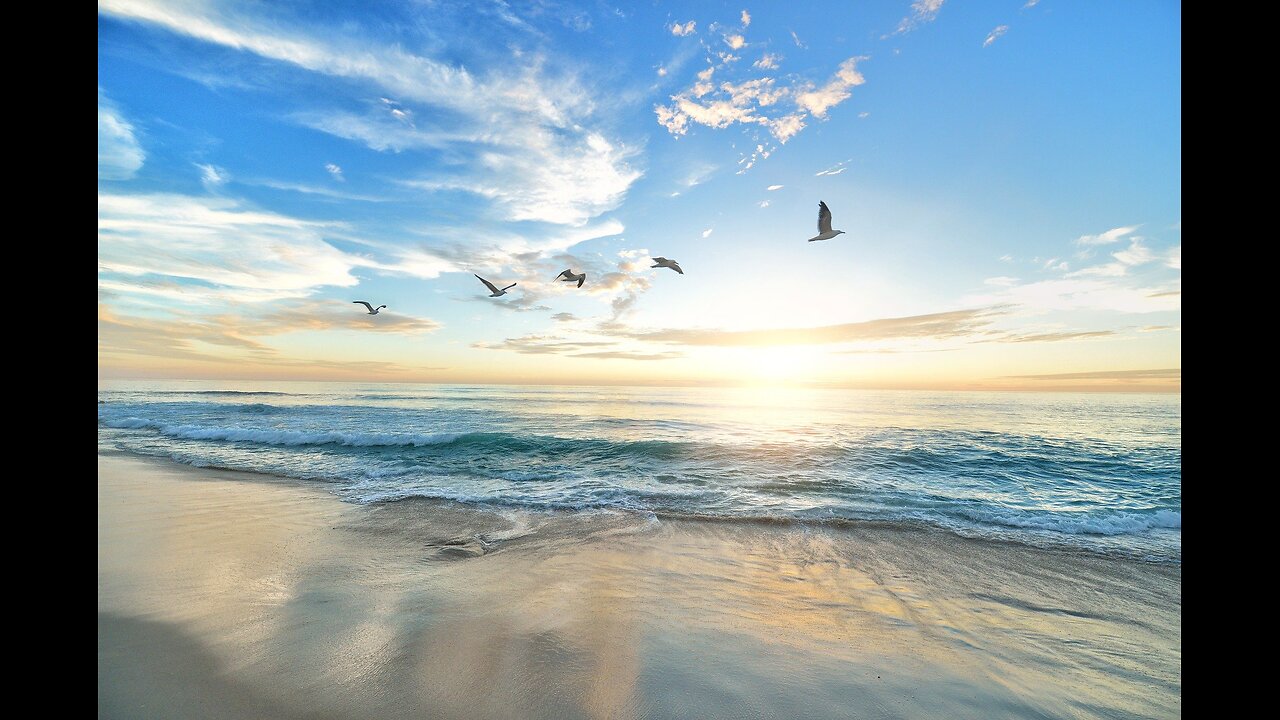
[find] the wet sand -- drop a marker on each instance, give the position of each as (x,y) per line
(226,595)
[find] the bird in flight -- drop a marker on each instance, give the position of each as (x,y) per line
(372,310)
(663,262)
(824,224)
(568,276)
(493,289)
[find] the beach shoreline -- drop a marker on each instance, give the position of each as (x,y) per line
(226,594)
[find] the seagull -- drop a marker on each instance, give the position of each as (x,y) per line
(663,262)
(372,310)
(493,289)
(824,224)
(568,276)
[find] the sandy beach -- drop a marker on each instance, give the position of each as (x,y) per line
(229,595)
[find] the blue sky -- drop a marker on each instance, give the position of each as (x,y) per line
(1008,175)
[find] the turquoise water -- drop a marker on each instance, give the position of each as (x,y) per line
(1099,472)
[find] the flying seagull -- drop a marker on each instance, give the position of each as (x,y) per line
(824,224)
(493,289)
(663,262)
(568,276)
(372,310)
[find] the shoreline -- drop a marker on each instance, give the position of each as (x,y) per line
(231,596)
(1051,542)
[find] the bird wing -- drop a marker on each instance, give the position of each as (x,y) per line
(660,260)
(581,279)
(508,287)
(564,273)
(676,266)
(824,218)
(361,302)
(491,286)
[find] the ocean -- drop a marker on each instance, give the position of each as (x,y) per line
(1100,473)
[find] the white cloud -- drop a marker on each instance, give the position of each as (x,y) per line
(735,41)
(1006,258)
(1174,258)
(864,115)
(1084,293)
(818,100)
(1031,4)
(523,131)
(782,110)
(995,35)
(922,11)
(212,176)
(796,38)
(565,180)
(1106,238)
(746,18)
(768,61)
(707,233)
(335,171)
(688,28)
(119,154)
(1001,281)
(771,188)
(764,203)
(205,248)
(1136,254)
(833,170)
(662,72)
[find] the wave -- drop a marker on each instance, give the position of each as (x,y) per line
(219,393)
(1116,523)
(291,438)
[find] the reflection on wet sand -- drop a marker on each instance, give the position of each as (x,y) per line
(286,599)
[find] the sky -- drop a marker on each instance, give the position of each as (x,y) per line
(1008,176)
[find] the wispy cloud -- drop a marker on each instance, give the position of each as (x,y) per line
(780,108)
(768,61)
(796,39)
(688,28)
(236,341)
(995,35)
(953,324)
(771,188)
(119,154)
(817,100)
(833,170)
(1030,4)
(746,19)
(563,185)
(555,345)
(1133,256)
(1155,374)
(1106,238)
(735,41)
(212,176)
(1053,336)
(922,11)
(707,233)
(335,171)
(215,248)
(538,130)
